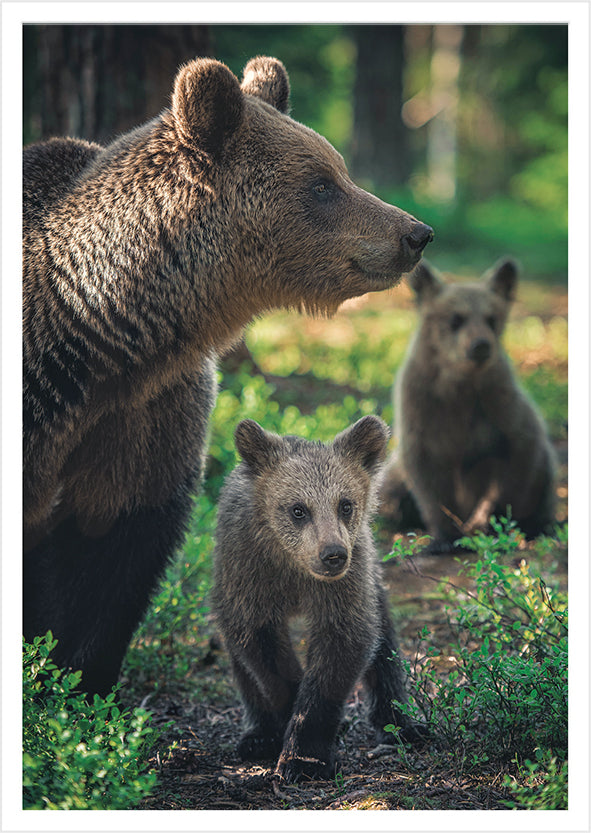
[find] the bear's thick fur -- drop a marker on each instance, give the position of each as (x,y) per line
(470,442)
(142,261)
(293,537)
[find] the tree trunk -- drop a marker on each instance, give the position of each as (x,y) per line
(441,146)
(379,148)
(96,81)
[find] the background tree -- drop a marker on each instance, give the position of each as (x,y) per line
(379,146)
(95,81)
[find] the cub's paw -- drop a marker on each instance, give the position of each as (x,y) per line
(259,747)
(292,768)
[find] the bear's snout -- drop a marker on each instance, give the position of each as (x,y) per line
(415,241)
(334,559)
(480,350)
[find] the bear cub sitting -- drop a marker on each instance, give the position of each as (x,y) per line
(293,537)
(470,442)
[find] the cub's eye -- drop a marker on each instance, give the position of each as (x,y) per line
(346,508)
(491,321)
(298,512)
(456,321)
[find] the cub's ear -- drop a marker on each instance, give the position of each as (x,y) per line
(207,105)
(267,78)
(365,442)
(502,278)
(258,448)
(425,282)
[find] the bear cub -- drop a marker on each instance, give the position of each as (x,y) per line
(293,537)
(470,442)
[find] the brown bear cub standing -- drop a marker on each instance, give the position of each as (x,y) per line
(471,443)
(293,537)
(142,262)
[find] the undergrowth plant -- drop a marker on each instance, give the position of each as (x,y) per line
(77,755)
(504,704)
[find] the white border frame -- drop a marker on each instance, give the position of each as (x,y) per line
(576,15)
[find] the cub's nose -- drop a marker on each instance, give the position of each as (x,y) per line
(415,241)
(479,351)
(334,558)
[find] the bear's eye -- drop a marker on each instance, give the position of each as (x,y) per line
(323,190)
(491,321)
(346,508)
(456,321)
(298,512)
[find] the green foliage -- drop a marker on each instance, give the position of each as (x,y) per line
(504,701)
(363,357)
(78,756)
(542,784)
(406,547)
(551,396)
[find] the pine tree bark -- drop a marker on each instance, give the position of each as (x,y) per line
(379,150)
(96,81)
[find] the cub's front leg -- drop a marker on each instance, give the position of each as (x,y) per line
(268,674)
(385,682)
(334,664)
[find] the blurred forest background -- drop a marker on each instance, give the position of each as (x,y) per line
(463,125)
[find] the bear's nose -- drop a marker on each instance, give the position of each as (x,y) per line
(334,558)
(415,241)
(479,351)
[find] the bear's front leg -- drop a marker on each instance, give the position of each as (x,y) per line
(268,675)
(309,744)
(335,662)
(92,592)
(385,682)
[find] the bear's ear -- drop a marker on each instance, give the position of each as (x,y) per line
(424,281)
(365,442)
(267,79)
(207,105)
(503,277)
(258,448)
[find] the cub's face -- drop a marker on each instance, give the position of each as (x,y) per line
(311,498)
(314,506)
(461,324)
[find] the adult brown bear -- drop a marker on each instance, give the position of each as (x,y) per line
(142,261)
